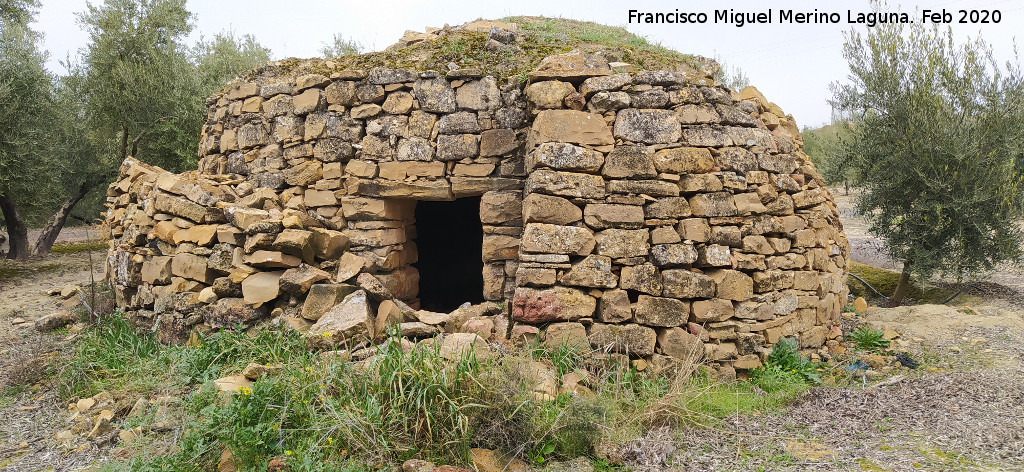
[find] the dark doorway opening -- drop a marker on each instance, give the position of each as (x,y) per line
(449,241)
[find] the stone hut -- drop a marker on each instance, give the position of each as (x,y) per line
(652,213)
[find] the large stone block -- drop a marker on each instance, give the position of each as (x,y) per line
(681,283)
(497,247)
(457,147)
(191,266)
(434,95)
(157,270)
(479,95)
(572,66)
(659,311)
(570,126)
(680,343)
(565,334)
(605,83)
(732,284)
(630,339)
(643,278)
(713,204)
(647,126)
(327,244)
(650,188)
(668,208)
(736,159)
(556,239)
(619,243)
(296,242)
(712,310)
(565,184)
(349,322)
(606,215)
(630,162)
(670,255)
(684,160)
(539,208)
(458,123)
(556,304)
(593,271)
(614,307)
(500,207)
(230,312)
(323,297)
(563,156)
(298,280)
(261,287)
(548,94)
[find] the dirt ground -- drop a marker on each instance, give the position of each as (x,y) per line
(963,413)
(33,414)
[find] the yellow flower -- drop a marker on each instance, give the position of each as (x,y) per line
(288,453)
(245,390)
(327,335)
(330,440)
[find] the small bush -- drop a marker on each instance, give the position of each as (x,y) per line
(783,367)
(867,339)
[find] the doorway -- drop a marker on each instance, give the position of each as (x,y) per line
(449,241)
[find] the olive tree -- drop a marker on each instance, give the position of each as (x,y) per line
(936,147)
(26,101)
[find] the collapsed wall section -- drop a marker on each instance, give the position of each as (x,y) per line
(652,214)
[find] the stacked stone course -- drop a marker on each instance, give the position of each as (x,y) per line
(650,214)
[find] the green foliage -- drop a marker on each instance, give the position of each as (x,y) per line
(141,89)
(341,46)
(225,57)
(784,366)
(565,357)
(18,11)
(823,146)
(26,98)
(107,354)
(228,350)
(936,147)
(867,339)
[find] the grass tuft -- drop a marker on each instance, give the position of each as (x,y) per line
(78,246)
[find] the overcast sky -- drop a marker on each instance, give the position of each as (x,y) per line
(792,64)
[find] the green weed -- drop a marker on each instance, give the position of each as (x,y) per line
(867,339)
(783,367)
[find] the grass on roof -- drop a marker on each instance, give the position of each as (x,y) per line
(539,37)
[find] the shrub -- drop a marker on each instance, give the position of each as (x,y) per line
(783,367)
(867,339)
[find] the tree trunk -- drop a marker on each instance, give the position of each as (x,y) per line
(16,230)
(49,234)
(902,286)
(124,145)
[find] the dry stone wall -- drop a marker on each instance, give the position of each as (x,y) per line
(652,214)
